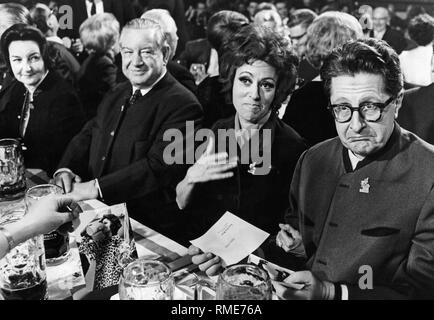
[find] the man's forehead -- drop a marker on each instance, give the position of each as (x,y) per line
(347,84)
(381,13)
(136,36)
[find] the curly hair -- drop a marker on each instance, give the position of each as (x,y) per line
(23,32)
(252,43)
(328,31)
(371,56)
(421,29)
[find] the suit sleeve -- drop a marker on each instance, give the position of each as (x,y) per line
(151,173)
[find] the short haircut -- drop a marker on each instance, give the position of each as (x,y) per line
(40,15)
(303,17)
(13,13)
(148,24)
(265,6)
(222,25)
(370,56)
(256,43)
(328,31)
(167,23)
(100,32)
(421,29)
(24,32)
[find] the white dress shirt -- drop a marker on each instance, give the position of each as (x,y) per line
(416,65)
(99,6)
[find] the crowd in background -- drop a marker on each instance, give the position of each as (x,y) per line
(213,51)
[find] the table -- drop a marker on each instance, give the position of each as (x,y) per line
(67,280)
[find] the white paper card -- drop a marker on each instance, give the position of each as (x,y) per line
(231,238)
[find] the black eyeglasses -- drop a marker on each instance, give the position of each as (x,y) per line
(370,111)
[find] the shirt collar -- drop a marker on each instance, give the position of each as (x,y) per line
(32,93)
(145,91)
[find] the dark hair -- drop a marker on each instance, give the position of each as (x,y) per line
(302,17)
(371,56)
(40,19)
(23,32)
(421,29)
(222,25)
(256,43)
(115,223)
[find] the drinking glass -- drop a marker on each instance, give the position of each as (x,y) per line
(146,280)
(12,171)
(243,282)
(22,271)
(56,243)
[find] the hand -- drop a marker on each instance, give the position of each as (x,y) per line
(85,191)
(211,166)
(51,212)
(65,179)
(313,288)
(207,262)
(77,46)
(288,238)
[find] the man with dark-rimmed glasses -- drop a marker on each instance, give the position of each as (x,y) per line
(363,203)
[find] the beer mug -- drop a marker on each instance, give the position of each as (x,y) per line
(146,280)
(22,271)
(56,243)
(244,282)
(12,171)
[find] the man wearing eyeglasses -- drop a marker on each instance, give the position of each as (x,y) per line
(363,202)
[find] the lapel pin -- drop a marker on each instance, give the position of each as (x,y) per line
(364,186)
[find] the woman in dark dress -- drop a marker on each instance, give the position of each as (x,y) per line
(258,72)
(39,108)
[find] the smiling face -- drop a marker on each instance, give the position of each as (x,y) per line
(253,90)
(142,61)
(27,63)
(362,137)
(380,19)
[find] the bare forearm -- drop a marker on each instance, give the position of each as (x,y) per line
(184,192)
(18,231)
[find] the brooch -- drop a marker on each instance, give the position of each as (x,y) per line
(364,186)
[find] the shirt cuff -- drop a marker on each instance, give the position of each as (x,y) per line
(99,189)
(344,290)
(61,170)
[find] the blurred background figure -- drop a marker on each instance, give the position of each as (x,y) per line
(251,9)
(177,11)
(307,110)
(167,23)
(298,23)
(382,30)
(282,10)
(270,19)
(40,109)
(99,35)
(221,27)
(47,23)
(196,20)
(416,63)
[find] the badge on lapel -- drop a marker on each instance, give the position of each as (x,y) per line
(364,186)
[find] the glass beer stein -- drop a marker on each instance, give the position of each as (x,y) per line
(22,271)
(56,243)
(12,171)
(243,282)
(146,280)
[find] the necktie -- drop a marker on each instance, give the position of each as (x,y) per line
(137,94)
(25,115)
(92,8)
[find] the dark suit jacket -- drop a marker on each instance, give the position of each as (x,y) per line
(196,51)
(123,147)
(417,112)
(181,74)
(394,38)
(307,113)
(380,215)
(57,116)
(122,10)
(96,77)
